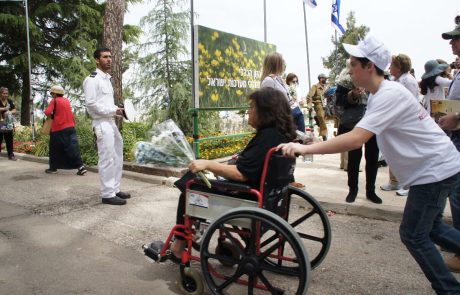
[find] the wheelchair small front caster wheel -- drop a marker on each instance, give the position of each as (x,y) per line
(227,249)
(191,282)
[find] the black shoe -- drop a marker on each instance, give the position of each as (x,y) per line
(351,197)
(123,195)
(12,158)
(373,198)
(113,201)
(82,170)
(382,163)
(51,171)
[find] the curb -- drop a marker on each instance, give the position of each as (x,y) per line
(153,179)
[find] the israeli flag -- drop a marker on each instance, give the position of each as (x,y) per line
(335,16)
(311,3)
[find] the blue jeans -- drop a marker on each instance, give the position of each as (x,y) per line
(454,198)
(422,226)
(299,120)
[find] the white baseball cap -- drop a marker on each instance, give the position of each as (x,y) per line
(373,50)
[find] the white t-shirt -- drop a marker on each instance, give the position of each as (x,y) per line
(414,146)
(437,92)
(454,89)
(410,83)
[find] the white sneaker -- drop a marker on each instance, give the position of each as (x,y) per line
(390,187)
(402,192)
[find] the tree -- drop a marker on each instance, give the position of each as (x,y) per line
(60,34)
(63,37)
(163,76)
(112,38)
(335,62)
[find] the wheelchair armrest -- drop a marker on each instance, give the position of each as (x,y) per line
(226,185)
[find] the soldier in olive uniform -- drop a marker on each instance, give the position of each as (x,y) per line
(315,97)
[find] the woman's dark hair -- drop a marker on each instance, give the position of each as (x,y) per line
(273,110)
(364,61)
(59,95)
(290,77)
(428,83)
(97,53)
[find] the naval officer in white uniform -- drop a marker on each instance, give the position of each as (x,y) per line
(101,107)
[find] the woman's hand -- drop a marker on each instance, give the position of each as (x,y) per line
(198,165)
(448,122)
(291,149)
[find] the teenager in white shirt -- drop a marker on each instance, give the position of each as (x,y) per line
(421,155)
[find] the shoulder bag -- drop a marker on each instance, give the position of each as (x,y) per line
(46,129)
(352,115)
(6,121)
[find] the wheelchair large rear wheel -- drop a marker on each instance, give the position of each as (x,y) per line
(251,272)
(311,223)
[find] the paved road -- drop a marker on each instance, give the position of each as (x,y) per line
(57,238)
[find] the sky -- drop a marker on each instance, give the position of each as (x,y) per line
(412,27)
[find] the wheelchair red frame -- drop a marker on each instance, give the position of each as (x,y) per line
(187,231)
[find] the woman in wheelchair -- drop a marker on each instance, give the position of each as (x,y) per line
(270,114)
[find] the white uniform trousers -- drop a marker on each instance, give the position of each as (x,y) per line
(110,151)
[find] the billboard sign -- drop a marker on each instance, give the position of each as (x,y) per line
(227,68)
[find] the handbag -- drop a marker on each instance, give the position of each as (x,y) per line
(7,124)
(46,129)
(352,115)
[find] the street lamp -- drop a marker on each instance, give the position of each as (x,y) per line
(29,63)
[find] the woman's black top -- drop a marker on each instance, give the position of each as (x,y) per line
(250,162)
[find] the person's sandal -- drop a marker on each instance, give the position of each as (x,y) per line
(81,171)
(297,184)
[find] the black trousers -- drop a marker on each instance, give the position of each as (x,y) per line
(354,159)
(180,184)
(9,142)
(64,151)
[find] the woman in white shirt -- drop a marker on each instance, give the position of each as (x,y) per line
(274,66)
(433,84)
(400,66)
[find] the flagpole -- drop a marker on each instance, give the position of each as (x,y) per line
(306,43)
(265,21)
(336,49)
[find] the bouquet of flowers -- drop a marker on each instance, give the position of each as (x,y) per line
(167,146)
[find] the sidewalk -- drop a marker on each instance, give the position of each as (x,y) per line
(328,184)
(323,180)
(57,238)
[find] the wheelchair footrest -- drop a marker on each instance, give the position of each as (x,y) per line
(151,253)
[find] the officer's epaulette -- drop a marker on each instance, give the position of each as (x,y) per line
(93,74)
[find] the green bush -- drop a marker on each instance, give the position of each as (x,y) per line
(86,140)
(219,148)
(131,133)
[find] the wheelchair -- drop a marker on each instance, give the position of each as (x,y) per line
(262,240)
